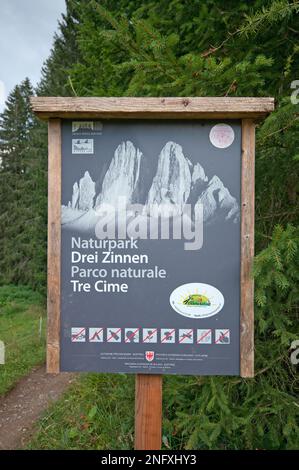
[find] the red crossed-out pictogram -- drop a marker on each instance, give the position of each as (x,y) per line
(222,336)
(185,336)
(76,335)
(96,334)
(114,333)
(150,335)
(128,338)
(203,336)
(166,335)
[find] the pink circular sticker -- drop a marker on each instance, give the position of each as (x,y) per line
(222,136)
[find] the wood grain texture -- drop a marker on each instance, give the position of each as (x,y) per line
(148,412)
(54,241)
(151,108)
(247,249)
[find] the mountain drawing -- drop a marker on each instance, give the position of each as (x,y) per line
(176,182)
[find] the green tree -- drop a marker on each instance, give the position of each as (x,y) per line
(22,182)
(208,48)
(23,171)
(55,73)
(182,48)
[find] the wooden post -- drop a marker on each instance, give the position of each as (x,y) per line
(54,239)
(148,412)
(247,250)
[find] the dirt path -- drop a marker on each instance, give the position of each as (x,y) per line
(23,405)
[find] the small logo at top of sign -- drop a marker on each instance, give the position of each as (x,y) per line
(222,136)
(196,300)
(82,146)
(86,127)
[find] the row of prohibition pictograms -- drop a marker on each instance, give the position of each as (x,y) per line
(150,335)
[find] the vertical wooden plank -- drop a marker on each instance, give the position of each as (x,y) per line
(148,412)
(247,249)
(54,240)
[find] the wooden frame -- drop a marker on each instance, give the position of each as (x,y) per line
(247,250)
(54,242)
(148,390)
(151,108)
(248,110)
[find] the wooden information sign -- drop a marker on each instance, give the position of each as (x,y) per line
(151,240)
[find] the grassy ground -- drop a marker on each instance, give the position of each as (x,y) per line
(97,412)
(22,330)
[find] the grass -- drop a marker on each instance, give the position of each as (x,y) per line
(22,331)
(97,412)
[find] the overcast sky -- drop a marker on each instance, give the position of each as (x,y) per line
(26,34)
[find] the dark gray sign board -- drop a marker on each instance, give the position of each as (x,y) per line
(150,305)
(130,287)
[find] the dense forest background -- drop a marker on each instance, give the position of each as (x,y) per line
(181,48)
